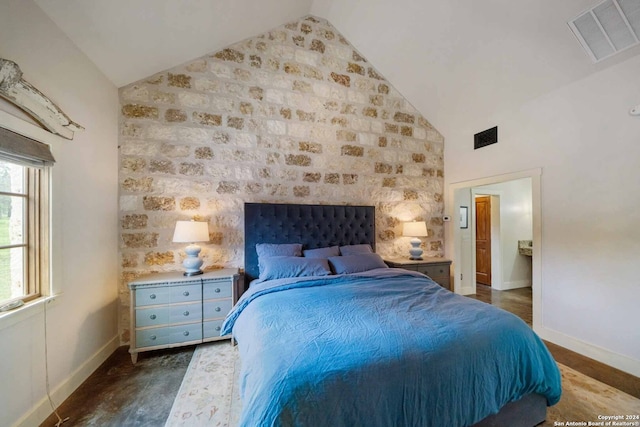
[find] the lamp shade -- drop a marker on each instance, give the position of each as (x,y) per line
(415,229)
(191,231)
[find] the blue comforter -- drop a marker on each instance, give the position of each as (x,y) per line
(386,347)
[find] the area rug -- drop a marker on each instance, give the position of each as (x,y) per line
(209,395)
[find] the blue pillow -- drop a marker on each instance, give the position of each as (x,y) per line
(355,249)
(356,263)
(276,249)
(282,267)
(265,250)
(322,252)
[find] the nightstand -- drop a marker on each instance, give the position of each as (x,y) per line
(172,310)
(436,268)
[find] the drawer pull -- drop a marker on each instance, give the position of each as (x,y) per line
(217,291)
(152,296)
(186,313)
(185,293)
(152,337)
(218,309)
(185,333)
(152,317)
(217,328)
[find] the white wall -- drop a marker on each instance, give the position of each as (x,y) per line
(464,277)
(588,147)
(82,322)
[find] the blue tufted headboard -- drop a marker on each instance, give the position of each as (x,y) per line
(315,226)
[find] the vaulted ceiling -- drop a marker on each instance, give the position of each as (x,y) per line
(452,59)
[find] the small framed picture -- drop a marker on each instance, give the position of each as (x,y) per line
(464,217)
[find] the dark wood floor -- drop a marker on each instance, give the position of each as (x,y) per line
(518,302)
(122,394)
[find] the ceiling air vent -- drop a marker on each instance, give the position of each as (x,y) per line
(610,27)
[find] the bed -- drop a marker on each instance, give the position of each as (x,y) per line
(367,345)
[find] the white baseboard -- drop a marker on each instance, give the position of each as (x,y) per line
(516,284)
(467,290)
(618,361)
(42,409)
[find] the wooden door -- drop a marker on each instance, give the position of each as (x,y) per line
(483,240)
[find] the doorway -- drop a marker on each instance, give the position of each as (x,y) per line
(461,243)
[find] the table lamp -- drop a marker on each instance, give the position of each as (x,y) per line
(415,229)
(191,232)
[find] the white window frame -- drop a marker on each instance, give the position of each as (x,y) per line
(36,231)
(49,290)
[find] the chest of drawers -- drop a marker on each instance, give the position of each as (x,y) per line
(436,268)
(170,309)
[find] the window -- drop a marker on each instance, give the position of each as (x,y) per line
(24,219)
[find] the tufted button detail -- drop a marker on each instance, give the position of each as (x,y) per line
(312,225)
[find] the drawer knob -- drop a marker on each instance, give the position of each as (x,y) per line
(153,337)
(152,296)
(186,313)
(152,317)
(218,309)
(217,291)
(217,328)
(185,333)
(185,293)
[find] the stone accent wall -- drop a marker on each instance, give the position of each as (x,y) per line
(295,115)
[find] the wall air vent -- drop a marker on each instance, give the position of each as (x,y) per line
(486,137)
(610,27)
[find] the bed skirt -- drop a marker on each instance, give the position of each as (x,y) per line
(529,411)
